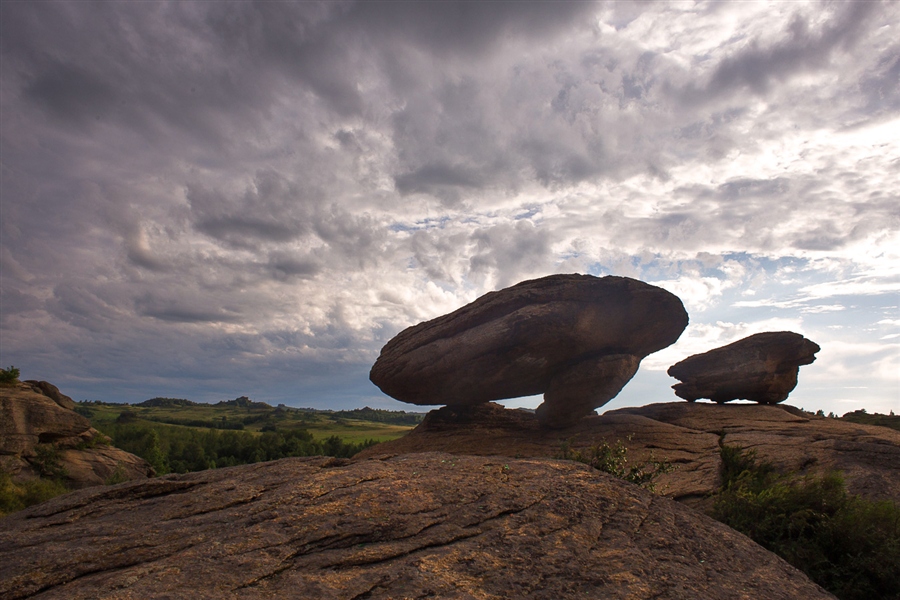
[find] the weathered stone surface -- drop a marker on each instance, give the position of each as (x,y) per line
(415,526)
(33,415)
(794,440)
(28,417)
(762,367)
(687,435)
(51,391)
(577,339)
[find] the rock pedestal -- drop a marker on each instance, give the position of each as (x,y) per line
(577,339)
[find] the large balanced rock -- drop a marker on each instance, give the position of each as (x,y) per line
(577,339)
(39,431)
(685,434)
(416,526)
(762,367)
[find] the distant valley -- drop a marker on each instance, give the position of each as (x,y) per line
(243,414)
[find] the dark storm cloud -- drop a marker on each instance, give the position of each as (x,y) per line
(145,62)
(185,314)
(271,209)
(759,65)
(431,178)
(14,302)
(468,28)
(149,68)
(241,231)
(71,93)
(285,266)
(89,306)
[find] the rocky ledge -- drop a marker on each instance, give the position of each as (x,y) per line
(37,421)
(686,434)
(415,526)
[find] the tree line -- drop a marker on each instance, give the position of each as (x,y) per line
(182,450)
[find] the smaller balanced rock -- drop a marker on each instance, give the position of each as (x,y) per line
(762,367)
(577,339)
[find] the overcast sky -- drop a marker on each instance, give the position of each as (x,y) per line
(213,199)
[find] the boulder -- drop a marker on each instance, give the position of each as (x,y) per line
(416,526)
(577,339)
(762,367)
(36,425)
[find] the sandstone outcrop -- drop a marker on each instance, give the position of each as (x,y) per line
(577,339)
(762,367)
(686,434)
(414,526)
(37,425)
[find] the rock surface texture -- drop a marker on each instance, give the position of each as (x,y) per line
(417,526)
(577,339)
(762,367)
(36,420)
(687,435)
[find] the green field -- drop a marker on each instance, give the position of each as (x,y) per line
(241,414)
(178,436)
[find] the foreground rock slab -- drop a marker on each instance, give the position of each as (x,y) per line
(36,418)
(416,526)
(577,339)
(762,367)
(685,434)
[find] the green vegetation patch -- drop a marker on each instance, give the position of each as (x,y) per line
(172,449)
(9,376)
(861,416)
(16,496)
(614,460)
(845,543)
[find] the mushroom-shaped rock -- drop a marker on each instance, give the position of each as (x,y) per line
(762,367)
(577,339)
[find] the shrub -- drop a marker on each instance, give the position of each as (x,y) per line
(845,543)
(119,475)
(614,460)
(10,375)
(16,496)
(46,461)
(84,411)
(98,439)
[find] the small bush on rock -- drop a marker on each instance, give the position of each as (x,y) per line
(10,375)
(120,475)
(845,543)
(614,460)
